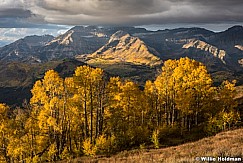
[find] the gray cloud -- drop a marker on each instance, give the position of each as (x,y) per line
(126,12)
(105,7)
(14,12)
(8,35)
(137,12)
(19,18)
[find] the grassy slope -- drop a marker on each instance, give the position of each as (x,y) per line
(225,144)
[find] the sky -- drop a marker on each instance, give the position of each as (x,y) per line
(19,18)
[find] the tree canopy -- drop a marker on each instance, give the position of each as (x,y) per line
(87,114)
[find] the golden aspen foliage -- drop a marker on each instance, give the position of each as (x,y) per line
(91,114)
(88,148)
(184,89)
(5,132)
(155,138)
(227,115)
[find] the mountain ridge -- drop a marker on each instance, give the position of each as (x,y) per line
(24,49)
(164,44)
(122,47)
(203,46)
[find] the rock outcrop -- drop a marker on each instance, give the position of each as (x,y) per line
(122,47)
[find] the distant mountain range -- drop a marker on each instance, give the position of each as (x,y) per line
(129,52)
(223,47)
(26,49)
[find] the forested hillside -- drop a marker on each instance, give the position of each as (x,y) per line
(88,114)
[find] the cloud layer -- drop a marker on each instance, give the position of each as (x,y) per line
(8,35)
(130,12)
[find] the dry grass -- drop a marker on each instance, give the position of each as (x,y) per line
(225,144)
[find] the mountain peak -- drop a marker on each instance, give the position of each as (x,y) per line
(124,48)
(63,39)
(118,35)
(235,28)
(77,28)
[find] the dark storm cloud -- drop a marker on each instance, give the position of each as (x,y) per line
(140,11)
(22,17)
(129,12)
(105,7)
(23,23)
(14,13)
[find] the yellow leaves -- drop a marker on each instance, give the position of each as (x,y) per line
(184,83)
(85,75)
(35,159)
(52,151)
(191,74)
(38,93)
(42,140)
(149,87)
(2,127)
(128,97)
(222,120)
(101,143)
(105,144)
(88,148)
(3,110)
(229,86)
(50,86)
(69,82)
(117,97)
(17,147)
(4,119)
(82,71)
(42,117)
(114,85)
(155,138)
(30,124)
(65,154)
(52,82)
(51,121)
(107,113)
(67,114)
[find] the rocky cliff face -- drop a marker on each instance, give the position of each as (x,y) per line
(203,46)
(122,47)
(240,47)
(78,40)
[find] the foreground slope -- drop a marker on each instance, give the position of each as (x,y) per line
(225,144)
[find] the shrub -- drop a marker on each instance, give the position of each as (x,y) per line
(88,148)
(102,144)
(155,138)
